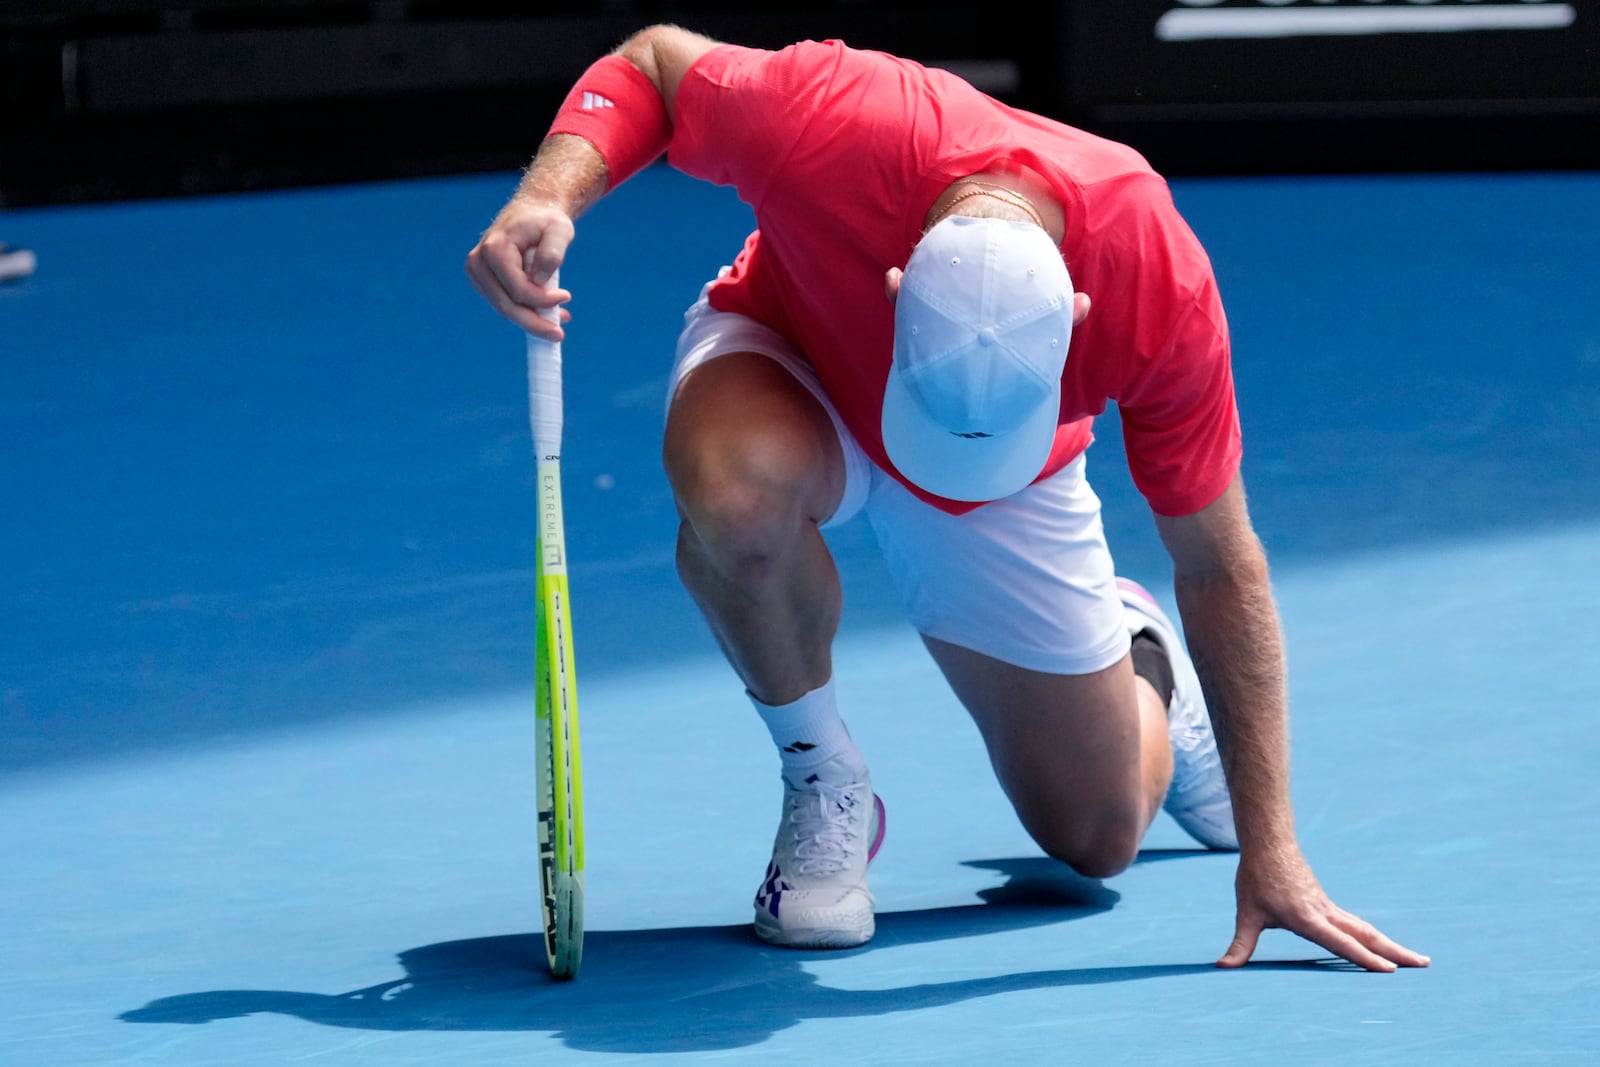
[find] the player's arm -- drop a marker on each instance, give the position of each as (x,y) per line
(515,259)
(1223,591)
(1231,624)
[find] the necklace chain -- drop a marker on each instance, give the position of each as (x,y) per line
(997,192)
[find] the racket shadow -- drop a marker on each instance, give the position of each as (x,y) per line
(686,989)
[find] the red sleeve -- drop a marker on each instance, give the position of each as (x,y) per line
(740,111)
(1180,420)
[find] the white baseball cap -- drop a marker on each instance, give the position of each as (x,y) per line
(981,327)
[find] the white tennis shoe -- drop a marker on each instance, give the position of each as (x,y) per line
(1198,796)
(815,892)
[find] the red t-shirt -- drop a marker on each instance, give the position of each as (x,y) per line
(842,152)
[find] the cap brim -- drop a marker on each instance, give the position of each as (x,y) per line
(965,468)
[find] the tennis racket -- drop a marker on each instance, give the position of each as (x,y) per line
(559,770)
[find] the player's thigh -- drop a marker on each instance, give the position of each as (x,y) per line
(750,429)
(1027,580)
(742,424)
(1018,602)
(1065,747)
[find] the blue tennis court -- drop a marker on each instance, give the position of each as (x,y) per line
(266,669)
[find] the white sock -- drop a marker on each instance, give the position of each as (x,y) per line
(809,731)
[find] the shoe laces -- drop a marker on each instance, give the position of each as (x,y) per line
(823,826)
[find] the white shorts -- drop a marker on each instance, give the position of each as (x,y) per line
(1027,580)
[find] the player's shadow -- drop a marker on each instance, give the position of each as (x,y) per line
(692,989)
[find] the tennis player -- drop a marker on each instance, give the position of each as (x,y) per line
(909,335)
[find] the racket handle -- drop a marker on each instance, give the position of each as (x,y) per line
(544,389)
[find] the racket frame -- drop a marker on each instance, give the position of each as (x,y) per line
(559,766)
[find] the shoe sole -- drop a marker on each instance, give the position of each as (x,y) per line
(817,938)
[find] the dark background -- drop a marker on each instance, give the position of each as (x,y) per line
(115,99)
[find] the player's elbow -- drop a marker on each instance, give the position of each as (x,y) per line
(639,49)
(663,53)
(647,48)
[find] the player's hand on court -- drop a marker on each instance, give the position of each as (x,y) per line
(1278,891)
(515,259)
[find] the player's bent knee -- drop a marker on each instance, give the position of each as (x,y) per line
(771,456)
(747,499)
(1097,852)
(746,444)
(736,519)
(737,525)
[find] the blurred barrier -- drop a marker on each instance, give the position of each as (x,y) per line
(117,98)
(111,98)
(1340,84)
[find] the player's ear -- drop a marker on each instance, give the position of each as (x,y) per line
(1080,308)
(891,284)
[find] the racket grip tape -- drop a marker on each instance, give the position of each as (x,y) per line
(544,389)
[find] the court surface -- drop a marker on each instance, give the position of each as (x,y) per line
(266,790)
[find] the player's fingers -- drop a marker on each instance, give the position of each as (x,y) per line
(1342,944)
(1080,308)
(1245,936)
(542,294)
(1378,941)
(511,293)
(550,316)
(501,256)
(491,275)
(544,329)
(546,256)
(485,282)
